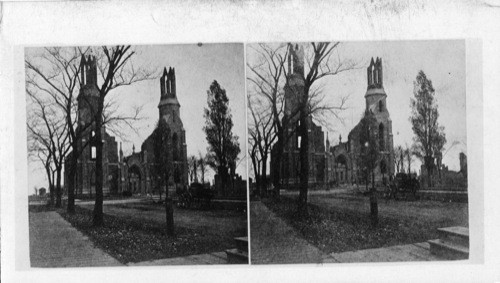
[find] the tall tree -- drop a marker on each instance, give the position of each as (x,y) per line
(163,161)
(116,70)
(320,64)
(369,158)
(429,136)
(223,146)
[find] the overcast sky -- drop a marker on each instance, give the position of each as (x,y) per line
(196,67)
(442,61)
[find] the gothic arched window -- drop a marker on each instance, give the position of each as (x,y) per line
(380,106)
(381,137)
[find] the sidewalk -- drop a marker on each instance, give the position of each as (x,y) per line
(274,242)
(400,253)
(201,259)
(55,243)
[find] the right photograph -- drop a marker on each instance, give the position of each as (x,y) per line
(358,151)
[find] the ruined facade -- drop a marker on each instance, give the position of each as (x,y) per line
(137,169)
(88,98)
(338,164)
(127,173)
(291,161)
(343,158)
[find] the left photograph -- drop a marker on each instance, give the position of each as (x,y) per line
(136,155)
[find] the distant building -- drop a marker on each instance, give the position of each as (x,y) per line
(333,164)
(442,177)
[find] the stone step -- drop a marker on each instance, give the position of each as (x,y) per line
(236,256)
(241,243)
(457,235)
(448,250)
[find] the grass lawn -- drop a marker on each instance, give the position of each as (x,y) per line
(130,238)
(340,223)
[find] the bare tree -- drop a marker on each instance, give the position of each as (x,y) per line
(369,158)
(408,153)
(321,64)
(254,156)
(49,140)
(163,160)
(270,77)
(262,137)
(202,164)
(267,75)
(399,158)
(55,73)
(116,70)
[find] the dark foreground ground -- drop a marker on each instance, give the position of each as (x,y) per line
(339,222)
(135,232)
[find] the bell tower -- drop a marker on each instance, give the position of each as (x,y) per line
(88,97)
(376,103)
(294,86)
(375,94)
(169,105)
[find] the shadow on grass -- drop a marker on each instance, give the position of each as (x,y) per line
(342,230)
(130,240)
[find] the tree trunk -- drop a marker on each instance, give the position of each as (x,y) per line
(58,187)
(278,154)
(304,160)
(98,209)
(71,182)
(263,177)
(373,203)
(51,185)
(429,172)
(169,210)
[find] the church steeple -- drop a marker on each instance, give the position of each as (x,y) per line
(374,74)
(167,83)
(89,93)
(375,94)
(294,85)
(169,105)
(295,60)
